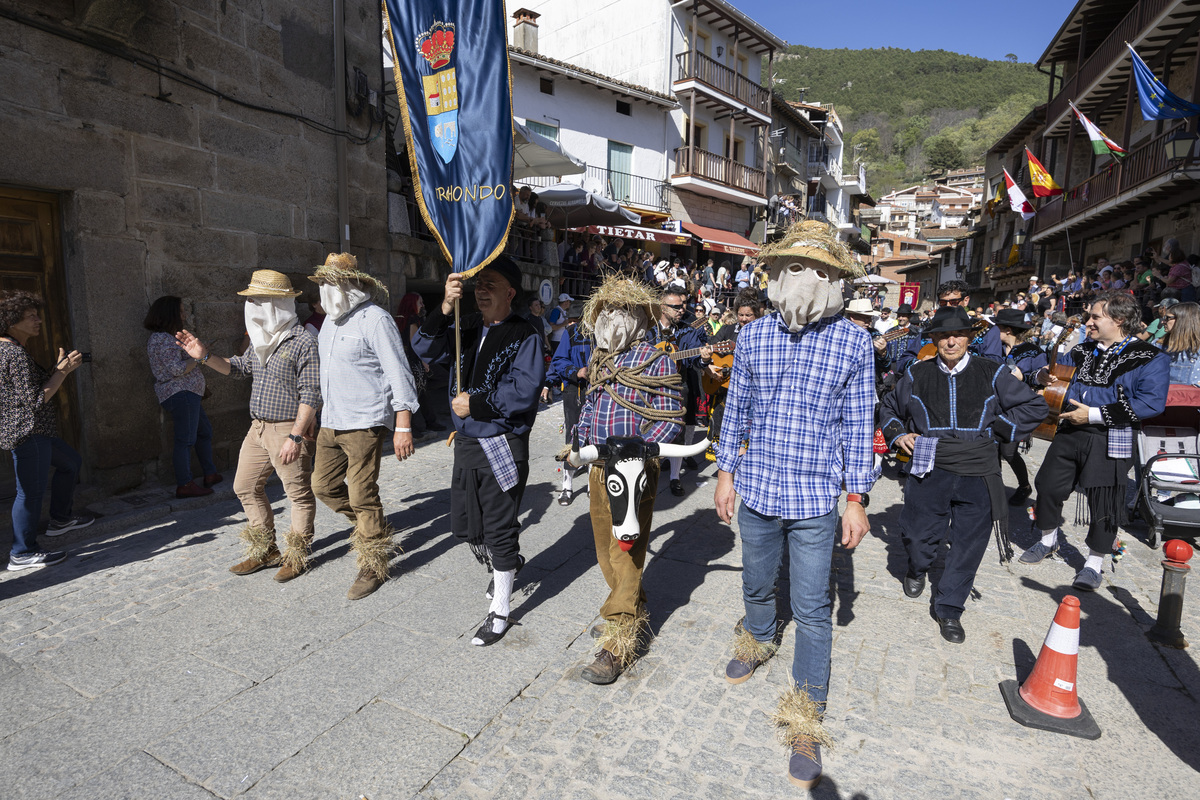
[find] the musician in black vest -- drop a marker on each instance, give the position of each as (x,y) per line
(1025,359)
(674,329)
(503,370)
(948,413)
(1119,381)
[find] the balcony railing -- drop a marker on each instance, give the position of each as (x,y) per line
(791,157)
(713,167)
(623,187)
(697,66)
(1142,165)
(1102,58)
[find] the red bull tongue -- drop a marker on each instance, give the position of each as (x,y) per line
(626,546)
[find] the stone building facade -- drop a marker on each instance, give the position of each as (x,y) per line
(154,147)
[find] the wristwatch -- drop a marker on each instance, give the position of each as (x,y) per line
(296,439)
(863,499)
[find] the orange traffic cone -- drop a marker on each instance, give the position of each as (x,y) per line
(1048,700)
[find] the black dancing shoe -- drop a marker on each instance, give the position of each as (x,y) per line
(486,635)
(914,586)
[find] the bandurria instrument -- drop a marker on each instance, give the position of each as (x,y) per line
(1055,392)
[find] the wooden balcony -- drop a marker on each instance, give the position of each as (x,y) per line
(719,169)
(1105,57)
(722,80)
(1124,177)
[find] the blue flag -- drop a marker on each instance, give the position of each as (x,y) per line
(451,65)
(1158,102)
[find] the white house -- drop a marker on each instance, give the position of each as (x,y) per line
(706,55)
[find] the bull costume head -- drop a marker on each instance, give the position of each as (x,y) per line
(805,270)
(625,476)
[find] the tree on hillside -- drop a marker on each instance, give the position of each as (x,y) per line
(1011,58)
(943,153)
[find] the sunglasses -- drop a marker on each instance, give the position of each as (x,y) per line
(956,302)
(1169,317)
(676,307)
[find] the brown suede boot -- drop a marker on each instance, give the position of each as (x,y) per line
(251,565)
(288,571)
(366,583)
(604,670)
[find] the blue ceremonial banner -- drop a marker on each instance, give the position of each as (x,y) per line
(1158,102)
(451,65)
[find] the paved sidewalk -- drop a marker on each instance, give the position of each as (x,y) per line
(142,668)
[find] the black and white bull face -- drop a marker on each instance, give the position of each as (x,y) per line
(625,477)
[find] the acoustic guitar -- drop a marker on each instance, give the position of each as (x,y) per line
(1055,393)
(678,355)
(712,385)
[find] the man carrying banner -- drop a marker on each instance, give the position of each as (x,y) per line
(502,370)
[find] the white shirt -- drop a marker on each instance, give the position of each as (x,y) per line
(959,367)
(884,325)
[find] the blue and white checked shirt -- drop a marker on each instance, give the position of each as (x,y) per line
(806,401)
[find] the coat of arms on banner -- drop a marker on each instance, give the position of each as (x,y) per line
(436,46)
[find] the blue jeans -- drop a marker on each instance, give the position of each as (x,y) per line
(32,460)
(192,429)
(810,548)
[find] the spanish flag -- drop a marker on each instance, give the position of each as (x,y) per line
(1043,184)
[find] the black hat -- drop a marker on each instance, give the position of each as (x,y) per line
(1012,318)
(508,269)
(950,318)
(905,310)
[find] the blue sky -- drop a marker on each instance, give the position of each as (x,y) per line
(989,30)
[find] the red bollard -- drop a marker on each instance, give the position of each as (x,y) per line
(1166,630)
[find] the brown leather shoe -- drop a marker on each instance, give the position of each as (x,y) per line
(604,670)
(287,572)
(253,565)
(366,583)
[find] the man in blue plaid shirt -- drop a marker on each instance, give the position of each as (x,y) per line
(798,429)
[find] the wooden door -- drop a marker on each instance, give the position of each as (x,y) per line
(31,259)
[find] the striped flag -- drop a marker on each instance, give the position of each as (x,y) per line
(1101,144)
(1017,198)
(1043,184)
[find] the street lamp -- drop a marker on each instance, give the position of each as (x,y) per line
(1019,238)
(1179,145)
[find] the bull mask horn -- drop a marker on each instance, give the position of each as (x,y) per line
(683,450)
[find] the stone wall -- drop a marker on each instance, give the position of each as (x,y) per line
(171,188)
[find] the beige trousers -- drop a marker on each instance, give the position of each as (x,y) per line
(258,459)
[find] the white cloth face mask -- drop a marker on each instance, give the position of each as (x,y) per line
(268,320)
(804,293)
(338,300)
(618,328)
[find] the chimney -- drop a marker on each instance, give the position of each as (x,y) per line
(525,29)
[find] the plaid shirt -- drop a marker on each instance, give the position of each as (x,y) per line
(806,401)
(602,417)
(291,377)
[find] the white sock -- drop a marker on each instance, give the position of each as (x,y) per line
(676,465)
(1094,561)
(1050,537)
(501,597)
(689,433)
(568,477)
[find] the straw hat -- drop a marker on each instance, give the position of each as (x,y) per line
(862,307)
(269,283)
(816,241)
(617,292)
(343,267)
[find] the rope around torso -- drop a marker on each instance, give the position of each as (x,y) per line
(603,373)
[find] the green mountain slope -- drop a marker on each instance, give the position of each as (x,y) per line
(909,113)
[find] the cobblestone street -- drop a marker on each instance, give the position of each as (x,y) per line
(142,668)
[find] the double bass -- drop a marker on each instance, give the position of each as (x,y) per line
(1056,378)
